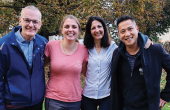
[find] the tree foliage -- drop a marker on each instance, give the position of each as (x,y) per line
(147,13)
(152,16)
(163,25)
(52,11)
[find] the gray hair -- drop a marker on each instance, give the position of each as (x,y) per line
(31,7)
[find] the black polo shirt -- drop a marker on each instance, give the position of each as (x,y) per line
(132,82)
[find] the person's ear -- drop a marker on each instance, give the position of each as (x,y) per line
(137,28)
(118,32)
(20,21)
(40,25)
(61,31)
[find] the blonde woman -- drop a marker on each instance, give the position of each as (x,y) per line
(67,59)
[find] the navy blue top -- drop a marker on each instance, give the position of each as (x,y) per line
(132,58)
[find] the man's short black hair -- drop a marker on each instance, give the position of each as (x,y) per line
(124,18)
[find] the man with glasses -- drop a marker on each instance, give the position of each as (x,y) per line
(22,80)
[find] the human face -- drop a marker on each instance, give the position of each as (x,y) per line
(97,30)
(128,32)
(29,29)
(70,29)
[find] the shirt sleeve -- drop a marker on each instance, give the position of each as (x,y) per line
(165,93)
(2,74)
(86,56)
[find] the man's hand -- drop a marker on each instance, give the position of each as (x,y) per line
(161,104)
(148,43)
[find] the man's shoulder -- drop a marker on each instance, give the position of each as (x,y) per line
(5,38)
(156,49)
(4,42)
(115,52)
(11,35)
(41,38)
(156,46)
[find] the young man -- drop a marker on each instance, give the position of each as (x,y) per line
(22,80)
(136,71)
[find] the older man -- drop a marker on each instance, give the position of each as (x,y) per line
(22,81)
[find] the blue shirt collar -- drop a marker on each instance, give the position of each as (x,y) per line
(19,37)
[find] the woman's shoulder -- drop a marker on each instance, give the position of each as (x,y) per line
(52,42)
(82,46)
(82,49)
(113,45)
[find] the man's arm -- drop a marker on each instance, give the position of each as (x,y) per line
(2,73)
(46,60)
(165,93)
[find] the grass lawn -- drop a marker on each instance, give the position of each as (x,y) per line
(43,107)
(166,107)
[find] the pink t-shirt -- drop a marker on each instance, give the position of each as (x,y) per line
(64,82)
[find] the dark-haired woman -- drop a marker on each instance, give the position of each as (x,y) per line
(96,91)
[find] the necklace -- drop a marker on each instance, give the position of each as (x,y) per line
(63,48)
(68,53)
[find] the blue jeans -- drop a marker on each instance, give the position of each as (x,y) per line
(92,104)
(51,104)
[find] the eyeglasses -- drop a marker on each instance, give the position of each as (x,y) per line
(35,22)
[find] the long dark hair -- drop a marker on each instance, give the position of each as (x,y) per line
(89,40)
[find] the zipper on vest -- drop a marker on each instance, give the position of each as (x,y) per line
(132,73)
(28,67)
(22,54)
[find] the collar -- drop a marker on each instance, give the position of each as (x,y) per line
(136,55)
(141,43)
(13,37)
(19,37)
